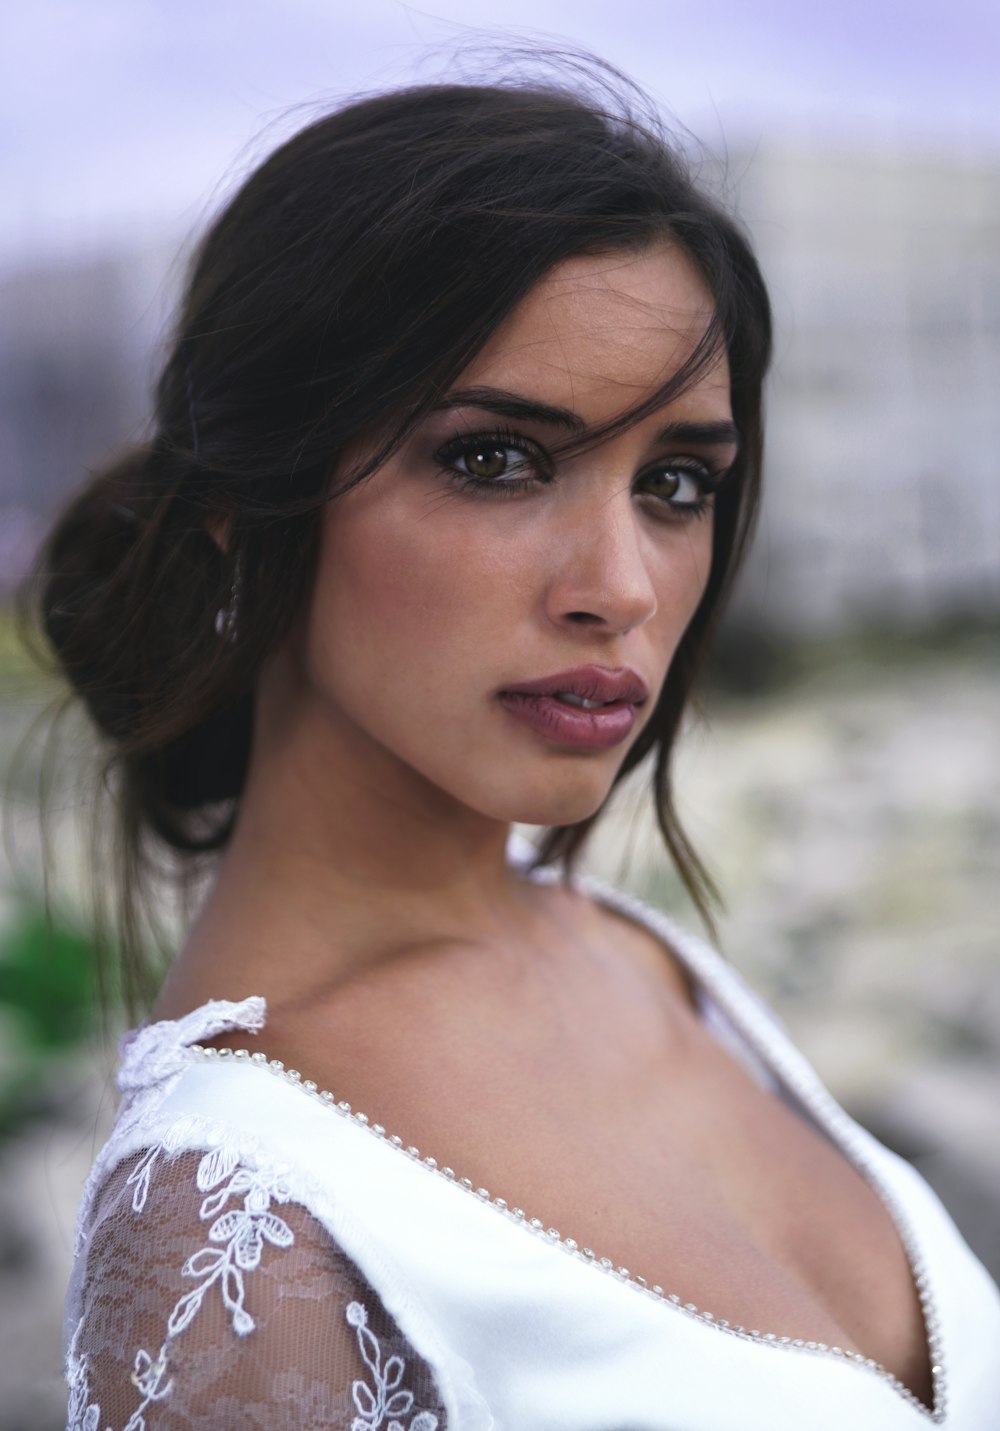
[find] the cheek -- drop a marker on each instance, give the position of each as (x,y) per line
(684,574)
(393,598)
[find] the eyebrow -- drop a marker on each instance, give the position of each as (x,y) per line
(522,409)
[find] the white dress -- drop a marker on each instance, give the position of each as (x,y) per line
(253,1253)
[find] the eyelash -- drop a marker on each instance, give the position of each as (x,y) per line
(708,481)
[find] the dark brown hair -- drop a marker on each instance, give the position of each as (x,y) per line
(340,293)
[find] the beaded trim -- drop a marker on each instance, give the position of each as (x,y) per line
(831,1114)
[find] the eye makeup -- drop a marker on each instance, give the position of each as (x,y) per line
(501,463)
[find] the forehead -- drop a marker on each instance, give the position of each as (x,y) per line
(599,331)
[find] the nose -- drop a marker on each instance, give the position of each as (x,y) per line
(601,576)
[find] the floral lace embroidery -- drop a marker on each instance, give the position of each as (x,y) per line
(385,1400)
(148,1375)
(139,1178)
(241,1232)
(81,1415)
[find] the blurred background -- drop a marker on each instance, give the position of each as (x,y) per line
(843,779)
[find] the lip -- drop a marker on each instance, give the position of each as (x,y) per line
(535,705)
(591,683)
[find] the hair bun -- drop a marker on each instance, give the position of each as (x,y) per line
(87,568)
(128,592)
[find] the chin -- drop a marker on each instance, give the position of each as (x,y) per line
(564,802)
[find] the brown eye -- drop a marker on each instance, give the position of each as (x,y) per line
(678,486)
(487,461)
(494,461)
(664,484)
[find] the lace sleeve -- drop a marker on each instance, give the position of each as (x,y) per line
(207,1298)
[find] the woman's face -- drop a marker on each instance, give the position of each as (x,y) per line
(471,564)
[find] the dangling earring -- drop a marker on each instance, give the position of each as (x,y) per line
(226,618)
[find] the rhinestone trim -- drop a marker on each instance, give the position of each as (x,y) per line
(828,1112)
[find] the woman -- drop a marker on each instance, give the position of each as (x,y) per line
(456,453)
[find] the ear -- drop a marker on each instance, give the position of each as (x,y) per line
(219,526)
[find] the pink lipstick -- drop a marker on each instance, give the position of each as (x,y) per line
(588,706)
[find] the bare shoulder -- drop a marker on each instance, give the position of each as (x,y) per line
(453,1039)
(401,1037)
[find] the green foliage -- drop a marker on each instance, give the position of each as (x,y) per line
(49,1007)
(48,981)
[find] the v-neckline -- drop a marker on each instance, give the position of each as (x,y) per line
(782,1061)
(756,1031)
(801,1088)
(557,1242)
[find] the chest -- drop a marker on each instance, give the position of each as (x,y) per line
(706,1184)
(736,1203)
(638,1136)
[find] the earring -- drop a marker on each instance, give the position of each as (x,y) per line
(226,618)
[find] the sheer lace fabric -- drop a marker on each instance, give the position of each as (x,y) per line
(211,1299)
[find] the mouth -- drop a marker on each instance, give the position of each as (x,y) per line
(571,700)
(589,707)
(587,687)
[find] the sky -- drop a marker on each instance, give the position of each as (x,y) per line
(126,121)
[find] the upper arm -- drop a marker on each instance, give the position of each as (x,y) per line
(209,1298)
